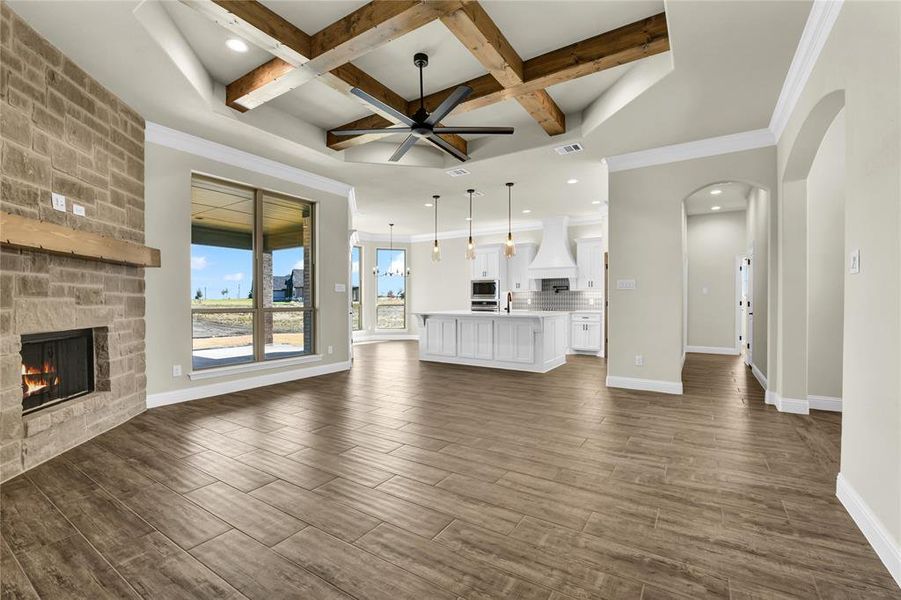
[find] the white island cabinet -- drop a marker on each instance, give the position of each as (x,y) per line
(521,340)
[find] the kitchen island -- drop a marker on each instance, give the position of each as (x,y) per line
(521,340)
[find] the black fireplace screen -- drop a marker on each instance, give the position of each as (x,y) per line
(56,367)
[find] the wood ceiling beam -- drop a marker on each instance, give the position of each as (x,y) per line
(301,57)
(478,32)
(292,48)
(610,49)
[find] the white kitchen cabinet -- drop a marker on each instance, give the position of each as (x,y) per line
(487,264)
(587,332)
(590,260)
(476,338)
(441,337)
(514,341)
(518,269)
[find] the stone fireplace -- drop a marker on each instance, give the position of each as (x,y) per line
(62,132)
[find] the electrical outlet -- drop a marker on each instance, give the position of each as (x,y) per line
(528,301)
(625,284)
(176,370)
(58,201)
(340,287)
(78,210)
(331,349)
(591,302)
(639,360)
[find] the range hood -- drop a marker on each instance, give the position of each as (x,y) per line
(554,259)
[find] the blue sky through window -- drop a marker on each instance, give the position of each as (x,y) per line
(214,269)
(395,261)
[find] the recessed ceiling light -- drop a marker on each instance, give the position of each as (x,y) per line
(429,205)
(716,192)
(236,44)
(595,201)
(715,207)
(572,181)
(526,211)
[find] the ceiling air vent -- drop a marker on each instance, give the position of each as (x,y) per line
(457,172)
(569,148)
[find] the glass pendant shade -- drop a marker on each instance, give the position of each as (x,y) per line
(509,246)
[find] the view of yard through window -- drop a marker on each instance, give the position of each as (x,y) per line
(230,325)
(390,306)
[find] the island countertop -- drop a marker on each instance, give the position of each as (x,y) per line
(532,314)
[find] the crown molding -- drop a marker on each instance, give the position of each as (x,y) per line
(822,17)
(724,144)
(185,142)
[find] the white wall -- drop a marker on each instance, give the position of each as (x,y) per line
(168,227)
(862,57)
(714,242)
(646,245)
(825,264)
(758,240)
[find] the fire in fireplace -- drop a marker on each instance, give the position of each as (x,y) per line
(56,367)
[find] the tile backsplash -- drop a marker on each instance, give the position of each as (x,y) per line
(570,300)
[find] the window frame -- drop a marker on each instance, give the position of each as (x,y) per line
(257,310)
(377,250)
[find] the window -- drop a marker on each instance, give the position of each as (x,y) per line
(391,282)
(239,237)
(356,296)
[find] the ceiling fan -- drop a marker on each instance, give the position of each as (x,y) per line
(422,124)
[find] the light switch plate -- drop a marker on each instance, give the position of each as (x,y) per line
(340,287)
(78,209)
(625,284)
(176,370)
(58,201)
(854,262)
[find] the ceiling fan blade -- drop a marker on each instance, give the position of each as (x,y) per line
(385,130)
(475,130)
(381,106)
(449,104)
(402,149)
(437,141)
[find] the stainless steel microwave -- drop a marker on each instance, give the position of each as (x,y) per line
(485,289)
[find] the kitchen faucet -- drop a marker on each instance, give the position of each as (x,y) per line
(509,302)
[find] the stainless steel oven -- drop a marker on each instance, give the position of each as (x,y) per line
(485,289)
(485,306)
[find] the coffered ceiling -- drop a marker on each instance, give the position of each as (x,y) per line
(723,75)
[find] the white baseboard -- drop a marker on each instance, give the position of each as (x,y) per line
(712,350)
(886,547)
(825,403)
(771,397)
(758,374)
(648,385)
(237,385)
(795,406)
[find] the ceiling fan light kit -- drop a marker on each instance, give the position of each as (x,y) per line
(423,125)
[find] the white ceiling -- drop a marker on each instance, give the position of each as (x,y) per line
(730,59)
(733,196)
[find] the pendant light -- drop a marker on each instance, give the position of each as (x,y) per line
(509,246)
(436,252)
(470,248)
(390,272)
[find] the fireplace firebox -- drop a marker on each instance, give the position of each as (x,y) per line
(56,367)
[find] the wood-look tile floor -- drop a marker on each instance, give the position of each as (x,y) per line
(408,480)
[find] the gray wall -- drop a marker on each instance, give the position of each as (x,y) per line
(826,261)
(168,227)
(714,242)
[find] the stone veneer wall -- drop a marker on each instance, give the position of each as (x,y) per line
(61,131)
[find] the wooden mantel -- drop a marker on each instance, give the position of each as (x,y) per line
(31,234)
